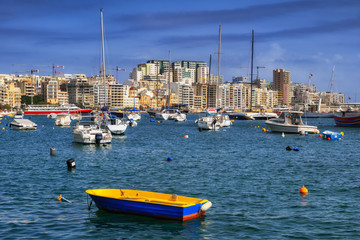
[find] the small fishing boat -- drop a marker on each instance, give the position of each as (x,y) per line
(22,124)
(153,204)
(330,135)
(290,122)
(347,118)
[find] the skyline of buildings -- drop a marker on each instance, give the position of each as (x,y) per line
(191,84)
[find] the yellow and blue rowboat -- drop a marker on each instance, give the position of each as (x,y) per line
(159,205)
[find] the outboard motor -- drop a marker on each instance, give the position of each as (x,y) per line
(98,138)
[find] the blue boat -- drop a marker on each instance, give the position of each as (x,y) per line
(152,204)
(330,135)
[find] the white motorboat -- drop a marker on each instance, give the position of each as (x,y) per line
(63,119)
(134,115)
(166,114)
(116,125)
(262,115)
(290,122)
(224,120)
(179,116)
(19,115)
(88,131)
(22,124)
(208,123)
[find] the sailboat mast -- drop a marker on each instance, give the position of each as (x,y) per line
(157,83)
(252,65)
(103,55)
(218,81)
(169,103)
(332,79)
(209,69)
(219,52)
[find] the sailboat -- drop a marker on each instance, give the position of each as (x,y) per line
(252,115)
(110,122)
(134,114)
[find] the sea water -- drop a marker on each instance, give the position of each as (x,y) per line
(248,175)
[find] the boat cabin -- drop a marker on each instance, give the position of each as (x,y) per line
(293,118)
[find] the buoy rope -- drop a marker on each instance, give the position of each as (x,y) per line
(87,201)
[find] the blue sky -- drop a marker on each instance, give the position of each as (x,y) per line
(301,36)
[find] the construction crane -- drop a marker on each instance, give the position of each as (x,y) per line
(54,69)
(257,72)
(30,71)
(53,66)
(117,69)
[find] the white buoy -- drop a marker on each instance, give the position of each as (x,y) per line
(283,134)
(206,206)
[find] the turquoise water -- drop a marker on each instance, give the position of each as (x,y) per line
(252,181)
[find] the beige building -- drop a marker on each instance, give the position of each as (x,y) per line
(13,95)
(49,89)
(63,97)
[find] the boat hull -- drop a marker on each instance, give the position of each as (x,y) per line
(46,112)
(240,116)
(87,137)
(138,205)
(345,119)
(207,123)
(117,129)
(23,124)
(274,127)
(16,127)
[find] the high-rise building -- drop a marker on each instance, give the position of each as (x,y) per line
(281,83)
(49,90)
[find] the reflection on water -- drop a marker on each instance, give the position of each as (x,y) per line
(135,226)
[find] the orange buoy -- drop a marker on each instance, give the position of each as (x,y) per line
(320,135)
(59,198)
(328,138)
(303,190)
